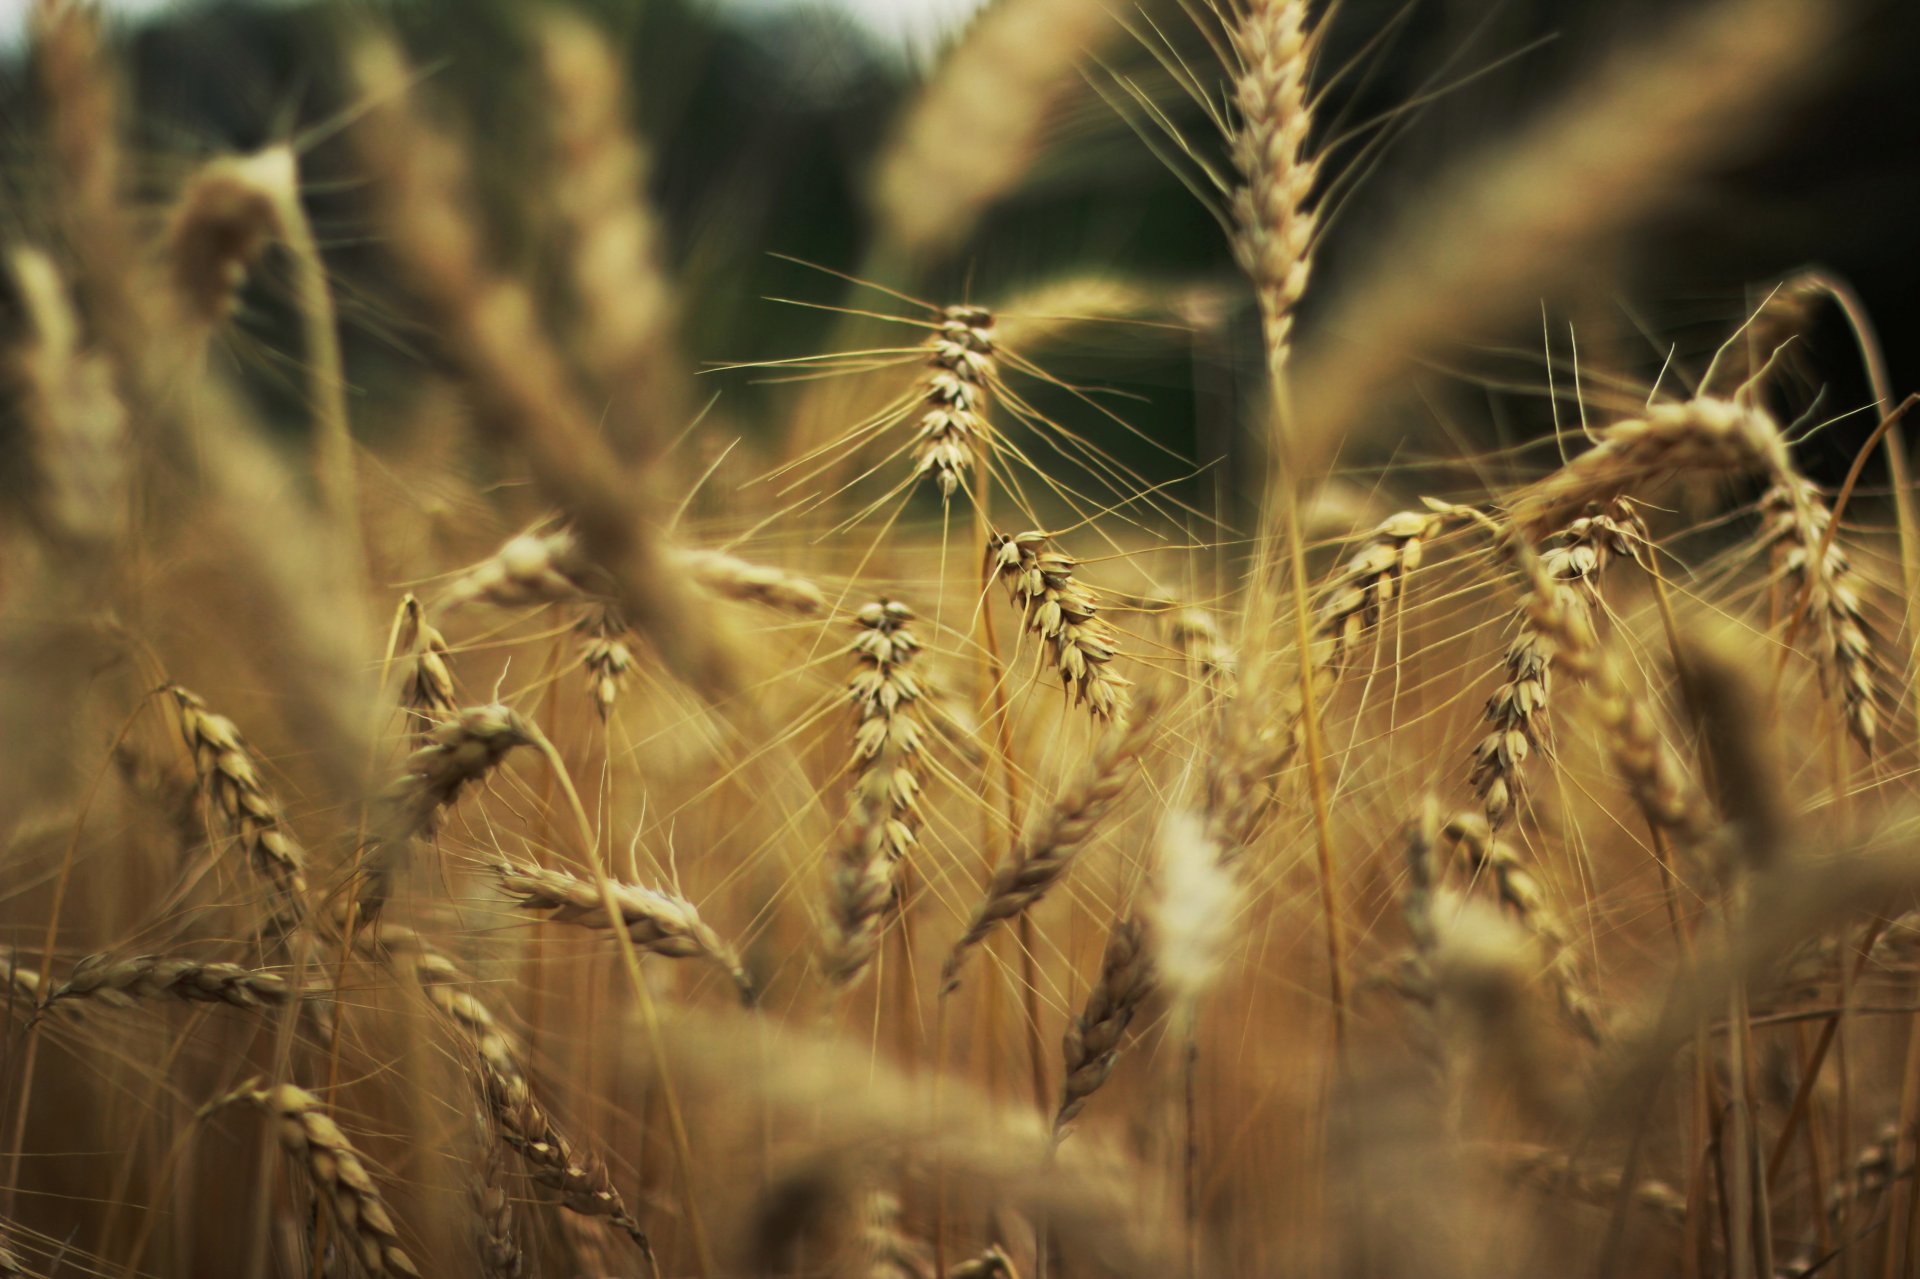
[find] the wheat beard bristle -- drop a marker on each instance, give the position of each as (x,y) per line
(1571,561)
(1798,522)
(1065,614)
(954,426)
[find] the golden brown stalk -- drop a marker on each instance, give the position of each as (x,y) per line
(954,431)
(1798,522)
(428,694)
(327,1156)
(1524,899)
(524,1124)
(976,127)
(121,982)
(1573,558)
(1274,221)
(77,425)
(616,271)
(606,656)
(1042,859)
(1541,211)
(1093,1039)
(223,221)
(1064,613)
(230,777)
(456,754)
(659,923)
(520,384)
(889,765)
(1694,437)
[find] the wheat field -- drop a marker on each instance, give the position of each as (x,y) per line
(543,815)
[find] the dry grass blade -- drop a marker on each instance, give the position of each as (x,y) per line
(659,923)
(1043,858)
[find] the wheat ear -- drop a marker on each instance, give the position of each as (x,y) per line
(659,923)
(456,754)
(1065,614)
(1092,1043)
(316,1142)
(1274,220)
(120,982)
(616,245)
(733,578)
(1572,559)
(222,222)
(975,128)
(524,1124)
(606,657)
(953,426)
(1042,859)
(1694,437)
(888,764)
(427,694)
(230,777)
(1523,897)
(1799,523)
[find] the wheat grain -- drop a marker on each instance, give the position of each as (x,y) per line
(120,982)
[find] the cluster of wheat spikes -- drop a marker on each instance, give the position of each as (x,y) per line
(932,849)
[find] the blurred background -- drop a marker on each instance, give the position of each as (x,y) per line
(765,118)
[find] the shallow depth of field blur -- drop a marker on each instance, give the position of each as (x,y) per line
(1057,638)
